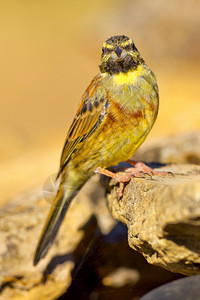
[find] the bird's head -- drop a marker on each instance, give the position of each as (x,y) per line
(119,54)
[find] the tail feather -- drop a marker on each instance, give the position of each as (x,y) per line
(53,222)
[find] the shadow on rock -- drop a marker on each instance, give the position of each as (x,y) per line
(106,267)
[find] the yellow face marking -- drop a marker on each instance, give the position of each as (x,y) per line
(123,44)
(129,77)
(108,46)
(126,43)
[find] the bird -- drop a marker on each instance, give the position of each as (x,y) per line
(116,113)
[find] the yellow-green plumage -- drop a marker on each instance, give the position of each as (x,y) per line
(115,116)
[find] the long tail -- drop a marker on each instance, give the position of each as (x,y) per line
(53,222)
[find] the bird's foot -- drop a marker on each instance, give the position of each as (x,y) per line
(143,168)
(139,169)
(121,178)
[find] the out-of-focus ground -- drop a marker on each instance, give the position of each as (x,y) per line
(50,51)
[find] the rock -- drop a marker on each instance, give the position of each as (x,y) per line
(185,288)
(181,148)
(163,217)
(120,277)
(107,268)
(20,226)
(90,257)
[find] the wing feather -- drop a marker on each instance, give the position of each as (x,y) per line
(89,114)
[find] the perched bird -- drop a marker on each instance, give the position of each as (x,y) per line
(116,113)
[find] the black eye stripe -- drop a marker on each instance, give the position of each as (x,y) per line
(129,47)
(107,50)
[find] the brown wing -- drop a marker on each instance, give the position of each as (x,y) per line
(89,115)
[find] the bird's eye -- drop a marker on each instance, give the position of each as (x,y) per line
(106,50)
(128,47)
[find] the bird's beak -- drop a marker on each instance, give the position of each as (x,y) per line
(118,54)
(118,51)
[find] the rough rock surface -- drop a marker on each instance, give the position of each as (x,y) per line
(163,217)
(90,256)
(21,222)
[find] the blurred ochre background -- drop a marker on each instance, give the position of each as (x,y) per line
(50,51)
